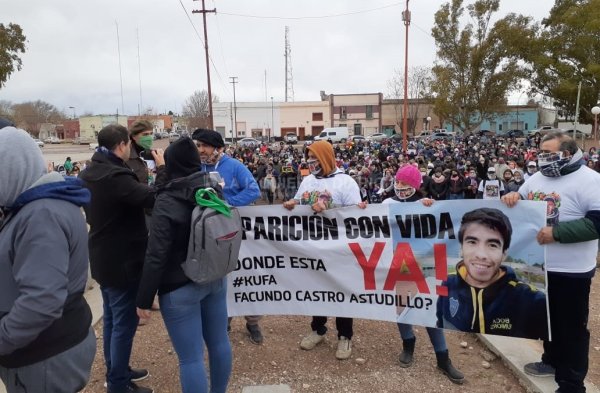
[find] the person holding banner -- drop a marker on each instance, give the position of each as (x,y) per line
(570,237)
(406,189)
(326,187)
(483,295)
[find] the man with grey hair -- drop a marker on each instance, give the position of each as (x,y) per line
(571,238)
(46,340)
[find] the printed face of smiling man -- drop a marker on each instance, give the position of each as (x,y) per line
(482,250)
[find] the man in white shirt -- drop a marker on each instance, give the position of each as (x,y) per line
(571,238)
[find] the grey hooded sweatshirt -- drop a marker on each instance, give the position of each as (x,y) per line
(43,256)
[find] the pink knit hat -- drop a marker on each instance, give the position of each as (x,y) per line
(409,175)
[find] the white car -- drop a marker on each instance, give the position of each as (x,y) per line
(52,140)
(358,138)
(39,143)
(378,136)
(290,137)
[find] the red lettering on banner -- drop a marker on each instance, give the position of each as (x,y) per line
(441,268)
(368,266)
(404,256)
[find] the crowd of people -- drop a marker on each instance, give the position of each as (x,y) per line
(132,192)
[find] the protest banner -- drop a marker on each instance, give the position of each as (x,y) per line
(397,262)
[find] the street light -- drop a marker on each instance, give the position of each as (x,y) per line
(272,128)
(428,121)
(595,112)
(72,107)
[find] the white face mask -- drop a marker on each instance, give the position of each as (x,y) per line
(313,166)
(404,192)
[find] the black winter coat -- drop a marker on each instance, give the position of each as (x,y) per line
(118,233)
(169,237)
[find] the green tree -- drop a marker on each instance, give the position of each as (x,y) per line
(12,43)
(565,51)
(477,65)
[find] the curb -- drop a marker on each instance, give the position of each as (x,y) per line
(516,352)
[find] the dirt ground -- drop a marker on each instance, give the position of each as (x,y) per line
(281,361)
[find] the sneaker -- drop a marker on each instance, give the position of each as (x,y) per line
(311,341)
(256,336)
(539,369)
(344,348)
(137,374)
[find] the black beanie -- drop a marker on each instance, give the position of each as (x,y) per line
(182,158)
(5,123)
(210,137)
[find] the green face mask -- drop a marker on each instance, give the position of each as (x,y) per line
(146,142)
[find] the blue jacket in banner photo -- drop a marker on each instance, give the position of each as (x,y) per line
(508,307)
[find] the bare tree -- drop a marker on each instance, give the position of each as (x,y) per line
(31,115)
(6,110)
(195,109)
(419,92)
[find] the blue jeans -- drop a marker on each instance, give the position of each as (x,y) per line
(196,315)
(456,196)
(436,336)
(120,323)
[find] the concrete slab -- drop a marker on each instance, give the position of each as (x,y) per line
(267,389)
(516,352)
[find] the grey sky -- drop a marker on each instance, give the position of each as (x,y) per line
(72,57)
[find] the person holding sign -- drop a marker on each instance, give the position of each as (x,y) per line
(406,189)
(483,295)
(570,190)
(326,187)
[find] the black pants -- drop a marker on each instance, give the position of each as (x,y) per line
(343,326)
(569,300)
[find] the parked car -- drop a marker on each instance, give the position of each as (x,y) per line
(577,134)
(52,140)
(378,136)
(39,143)
(515,134)
(487,133)
(290,137)
(83,140)
(443,136)
(93,146)
(248,142)
(173,136)
(543,130)
(358,138)
(335,134)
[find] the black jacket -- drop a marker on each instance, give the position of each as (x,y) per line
(118,233)
(169,236)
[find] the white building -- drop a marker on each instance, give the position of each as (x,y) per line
(254,119)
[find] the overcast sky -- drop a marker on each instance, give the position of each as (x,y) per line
(72,57)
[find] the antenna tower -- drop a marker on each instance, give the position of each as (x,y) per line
(289,79)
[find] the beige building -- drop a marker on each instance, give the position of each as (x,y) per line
(305,118)
(89,126)
(361,113)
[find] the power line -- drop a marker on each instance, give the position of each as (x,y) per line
(311,17)
(225,87)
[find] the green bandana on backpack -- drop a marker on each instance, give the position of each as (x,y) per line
(207,197)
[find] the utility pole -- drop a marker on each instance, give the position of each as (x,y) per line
(406,19)
(233,82)
(203,11)
(289,78)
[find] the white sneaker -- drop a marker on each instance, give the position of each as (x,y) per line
(344,348)
(311,341)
